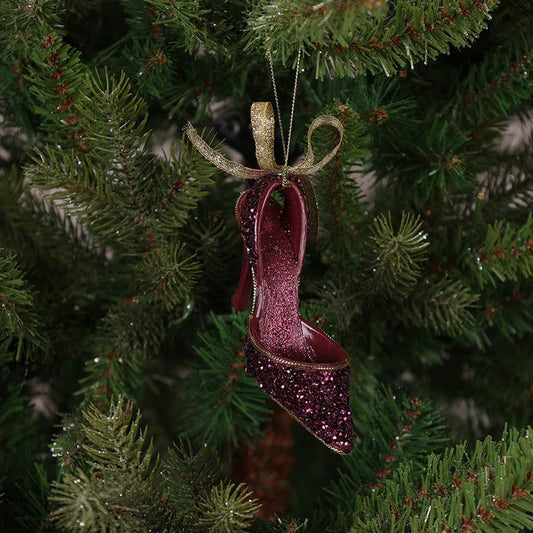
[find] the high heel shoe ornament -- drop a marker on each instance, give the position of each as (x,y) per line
(301,368)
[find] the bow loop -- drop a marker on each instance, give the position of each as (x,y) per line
(307,166)
(263,129)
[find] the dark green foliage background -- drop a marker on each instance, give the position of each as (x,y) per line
(122,389)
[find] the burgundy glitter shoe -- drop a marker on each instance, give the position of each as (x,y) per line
(296,364)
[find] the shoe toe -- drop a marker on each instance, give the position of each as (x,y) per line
(317,399)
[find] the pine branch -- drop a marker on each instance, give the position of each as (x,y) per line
(441,305)
(19,430)
(56,86)
(18,320)
(22,23)
(334,305)
(124,193)
(487,490)
(213,237)
(200,499)
(508,308)
(23,28)
(116,484)
(152,52)
(395,432)
(188,18)
(340,40)
(506,253)
(116,444)
(198,472)
(508,186)
(128,334)
(168,275)
(343,211)
(495,87)
(48,73)
(114,120)
(440,161)
(96,186)
(227,509)
(223,402)
(184,180)
(394,264)
(119,488)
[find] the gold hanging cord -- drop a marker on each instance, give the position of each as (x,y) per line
(287,146)
(263,129)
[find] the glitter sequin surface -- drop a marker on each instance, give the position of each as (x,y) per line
(318,399)
(248,215)
(302,381)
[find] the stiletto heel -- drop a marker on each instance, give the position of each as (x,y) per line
(243,293)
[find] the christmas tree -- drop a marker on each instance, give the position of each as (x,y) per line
(124,401)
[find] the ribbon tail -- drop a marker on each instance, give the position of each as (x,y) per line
(221,162)
(263,129)
(312,209)
(307,168)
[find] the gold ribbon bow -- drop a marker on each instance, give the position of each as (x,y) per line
(263,129)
